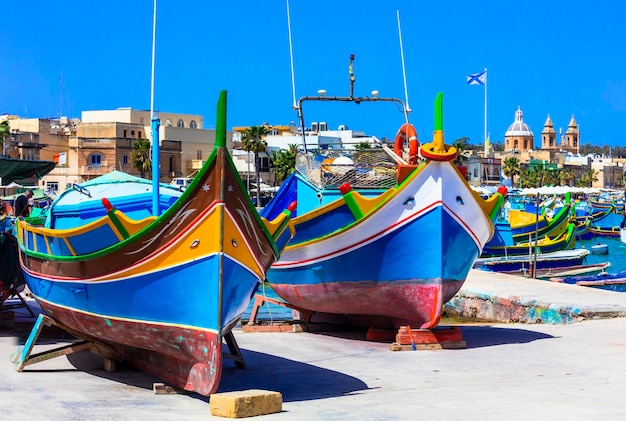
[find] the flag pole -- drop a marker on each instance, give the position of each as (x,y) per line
(485,132)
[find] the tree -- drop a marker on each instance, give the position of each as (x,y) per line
(5,131)
(588,178)
(461,145)
(140,156)
(511,168)
(252,141)
(566,176)
(284,162)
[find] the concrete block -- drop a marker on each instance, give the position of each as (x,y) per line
(245,403)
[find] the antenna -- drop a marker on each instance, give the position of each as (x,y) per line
(407,109)
(61,94)
(293,80)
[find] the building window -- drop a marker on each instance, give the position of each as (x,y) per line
(95,160)
(139,134)
(168,123)
(181,123)
(125,159)
(475,172)
(198,154)
(132,133)
(124,134)
(193,124)
(52,186)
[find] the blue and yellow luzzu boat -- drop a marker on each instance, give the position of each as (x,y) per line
(393,257)
(162,292)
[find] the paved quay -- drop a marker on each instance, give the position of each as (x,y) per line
(499,297)
(518,371)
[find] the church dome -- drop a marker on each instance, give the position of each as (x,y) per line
(519,128)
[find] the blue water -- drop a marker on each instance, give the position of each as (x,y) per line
(616,255)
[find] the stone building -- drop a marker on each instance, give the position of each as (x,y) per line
(519,137)
(568,142)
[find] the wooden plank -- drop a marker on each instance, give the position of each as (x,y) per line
(422,346)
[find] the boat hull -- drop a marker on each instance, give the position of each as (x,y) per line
(402,261)
(166,292)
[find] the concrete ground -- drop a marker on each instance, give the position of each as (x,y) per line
(513,371)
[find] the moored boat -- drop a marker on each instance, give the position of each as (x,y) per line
(164,291)
(360,255)
(520,263)
(609,281)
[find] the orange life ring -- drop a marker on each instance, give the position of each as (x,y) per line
(407,132)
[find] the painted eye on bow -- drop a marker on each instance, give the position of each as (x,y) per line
(459,200)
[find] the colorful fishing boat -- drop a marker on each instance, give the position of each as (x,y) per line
(82,203)
(575,270)
(164,291)
(357,250)
(521,263)
(553,226)
(609,281)
(547,244)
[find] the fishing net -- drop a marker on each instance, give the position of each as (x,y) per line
(362,168)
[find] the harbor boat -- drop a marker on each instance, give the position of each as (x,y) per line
(163,292)
(582,229)
(547,244)
(82,203)
(576,270)
(601,205)
(609,281)
(553,226)
(521,263)
(622,230)
(360,255)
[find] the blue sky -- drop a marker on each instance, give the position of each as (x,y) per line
(561,58)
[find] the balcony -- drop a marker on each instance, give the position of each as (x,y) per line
(88,170)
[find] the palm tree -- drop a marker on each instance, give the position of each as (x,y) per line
(5,130)
(252,141)
(566,175)
(589,177)
(140,156)
(284,162)
(511,168)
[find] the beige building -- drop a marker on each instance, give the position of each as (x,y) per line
(568,142)
(102,141)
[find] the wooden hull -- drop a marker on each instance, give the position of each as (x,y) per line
(382,264)
(164,296)
(187,357)
(523,262)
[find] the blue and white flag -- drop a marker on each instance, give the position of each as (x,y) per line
(477,78)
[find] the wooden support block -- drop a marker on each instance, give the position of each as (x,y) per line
(109,365)
(245,403)
(420,347)
(429,336)
(162,389)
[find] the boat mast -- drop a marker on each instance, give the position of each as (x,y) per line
(407,109)
(351,98)
(154,125)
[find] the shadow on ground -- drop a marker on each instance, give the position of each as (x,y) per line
(296,381)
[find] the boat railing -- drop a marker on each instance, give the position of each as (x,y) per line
(370,168)
(89,238)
